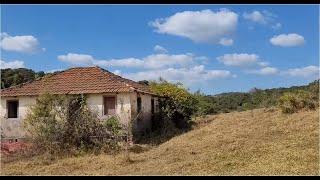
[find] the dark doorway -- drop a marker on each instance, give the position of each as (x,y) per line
(139,104)
(152,106)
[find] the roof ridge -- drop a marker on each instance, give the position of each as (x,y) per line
(119,77)
(50,75)
(111,82)
(38,79)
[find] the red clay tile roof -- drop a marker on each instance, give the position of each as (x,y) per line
(81,80)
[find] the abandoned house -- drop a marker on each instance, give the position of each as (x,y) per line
(107,95)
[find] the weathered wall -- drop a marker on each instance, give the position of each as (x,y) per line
(123,106)
(146,111)
(143,123)
(126,110)
(12,127)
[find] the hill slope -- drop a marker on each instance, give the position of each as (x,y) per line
(267,143)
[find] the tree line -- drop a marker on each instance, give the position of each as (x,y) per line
(12,77)
(255,98)
(203,104)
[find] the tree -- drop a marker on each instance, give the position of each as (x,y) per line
(144,82)
(178,104)
(204,104)
(12,77)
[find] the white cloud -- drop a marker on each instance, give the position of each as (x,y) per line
(265,71)
(264,18)
(160,49)
(186,68)
(11,64)
(287,40)
(309,71)
(255,16)
(24,44)
(152,61)
(263,64)
(226,42)
(199,26)
(76,59)
(276,26)
(117,72)
(165,60)
(3,35)
(126,62)
(185,75)
(240,60)
(53,70)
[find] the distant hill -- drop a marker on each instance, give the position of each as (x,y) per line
(255,98)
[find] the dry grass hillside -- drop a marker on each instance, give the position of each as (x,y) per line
(267,143)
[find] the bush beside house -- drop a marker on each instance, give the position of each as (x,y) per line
(62,124)
(178,105)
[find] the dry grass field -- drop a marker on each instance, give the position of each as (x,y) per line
(262,142)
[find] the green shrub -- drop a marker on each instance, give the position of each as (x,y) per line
(292,102)
(204,106)
(288,103)
(178,105)
(64,124)
(113,125)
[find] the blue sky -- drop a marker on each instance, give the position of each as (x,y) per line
(215,48)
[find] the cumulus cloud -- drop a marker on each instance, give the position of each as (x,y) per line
(164,60)
(160,49)
(226,42)
(287,40)
(184,75)
(240,60)
(309,71)
(265,71)
(152,61)
(11,64)
(255,16)
(76,59)
(186,68)
(263,17)
(199,26)
(24,44)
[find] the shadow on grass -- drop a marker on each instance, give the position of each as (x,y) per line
(159,137)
